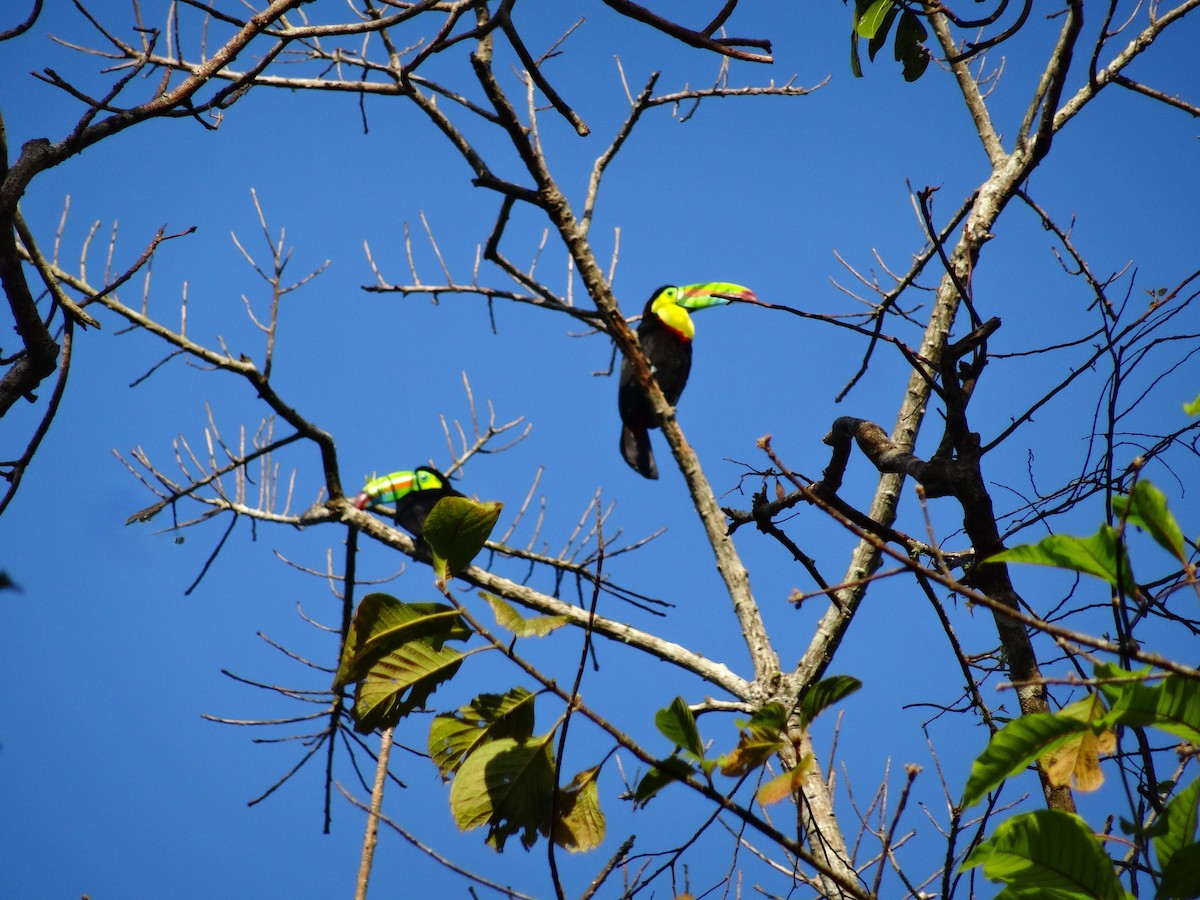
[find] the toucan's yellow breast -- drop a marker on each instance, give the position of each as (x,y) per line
(673,315)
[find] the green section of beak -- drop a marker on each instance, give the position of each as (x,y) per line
(714,293)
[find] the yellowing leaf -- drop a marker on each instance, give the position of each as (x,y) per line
(580,822)
(761,739)
(786,784)
(1079,760)
(534,626)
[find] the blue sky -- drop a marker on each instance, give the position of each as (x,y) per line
(116,787)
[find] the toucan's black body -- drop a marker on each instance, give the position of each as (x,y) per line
(413,507)
(412,495)
(665,335)
(670,355)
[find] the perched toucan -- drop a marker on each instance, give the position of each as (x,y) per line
(665,333)
(413,493)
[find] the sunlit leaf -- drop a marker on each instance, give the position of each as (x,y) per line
(1146,508)
(824,694)
(453,736)
(382,623)
(456,530)
(533,626)
(1048,853)
(401,681)
(579,823)
(1193,408)
(1173,705)
(677,724)
(879,38)
(1015,747)
(1111,679)
(1102,555)
(1179,817)
(394,654)
(762,737)
(786,784)
(868,20)
(507,785)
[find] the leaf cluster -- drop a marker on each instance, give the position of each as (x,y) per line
(1054,853)
(873,20)
(760,737)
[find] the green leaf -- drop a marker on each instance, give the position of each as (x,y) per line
(1102,555)
(489,717)
(1047,853)
(382,623)
(507,785)
(1111,679)
(395,655)
(1181,877)
(1016,746)
(868,20)
(855,62)
(1193,408)
(579,824)
(678,725)
(910,45)
(667,770)
(875,44)
(401,682)
(1180,820)
(762,738)
(534,626)
(1173,706)
(456,530)
(1146,508)
(824,694)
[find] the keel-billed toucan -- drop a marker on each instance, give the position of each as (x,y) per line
(665,334)
(412,493)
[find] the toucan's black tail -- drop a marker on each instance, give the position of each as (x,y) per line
(635,447)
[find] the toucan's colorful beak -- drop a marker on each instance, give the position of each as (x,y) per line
(362,501)
(714,293)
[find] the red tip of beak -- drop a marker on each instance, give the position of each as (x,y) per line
(362,501)
(746,296)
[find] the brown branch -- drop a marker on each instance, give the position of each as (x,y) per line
(18,30)
(16,469)
(1141,42)
(848,884)
(699,39)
